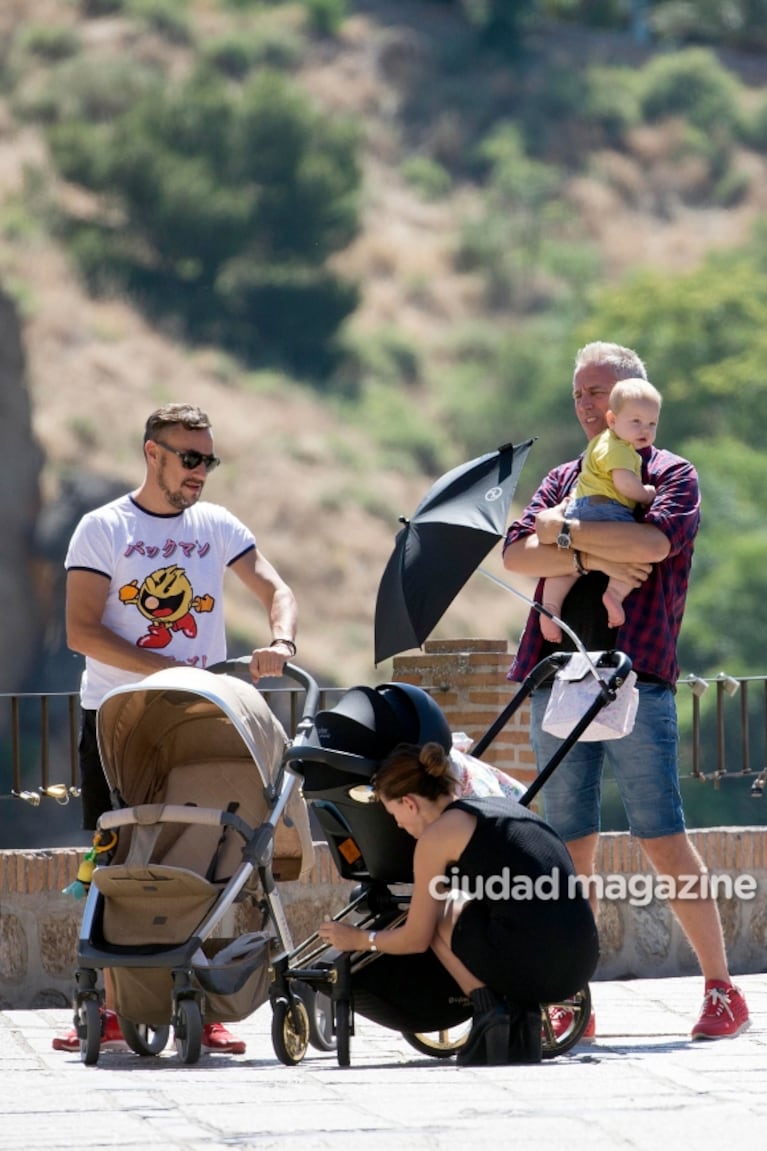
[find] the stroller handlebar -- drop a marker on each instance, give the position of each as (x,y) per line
(345,761)
(239,666)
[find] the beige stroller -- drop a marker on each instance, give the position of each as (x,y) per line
(205,824)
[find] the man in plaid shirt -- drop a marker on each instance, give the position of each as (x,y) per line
(654,555)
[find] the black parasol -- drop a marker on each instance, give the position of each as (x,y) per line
(460,519)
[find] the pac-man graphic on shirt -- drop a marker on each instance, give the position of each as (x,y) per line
(166,598)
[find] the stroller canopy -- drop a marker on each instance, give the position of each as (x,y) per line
(184,717)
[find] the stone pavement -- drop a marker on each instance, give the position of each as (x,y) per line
(642,1084)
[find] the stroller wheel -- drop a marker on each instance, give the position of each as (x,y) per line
(576,1012)
(290,1030)
(89,1017)
(142,1038)
(188,1025)
(343,1016)
(320,1009)
(439,1044)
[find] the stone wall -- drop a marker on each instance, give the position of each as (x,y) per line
(39,926)
(645,940)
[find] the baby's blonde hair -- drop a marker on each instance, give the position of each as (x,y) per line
(633,389)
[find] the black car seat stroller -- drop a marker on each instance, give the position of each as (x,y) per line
(336,754)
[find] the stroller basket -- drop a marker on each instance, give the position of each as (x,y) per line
(232,989)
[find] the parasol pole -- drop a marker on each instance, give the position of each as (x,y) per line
(545,611)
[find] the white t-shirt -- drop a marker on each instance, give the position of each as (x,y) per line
(166,582)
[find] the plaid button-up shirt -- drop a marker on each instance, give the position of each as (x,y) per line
(654,611)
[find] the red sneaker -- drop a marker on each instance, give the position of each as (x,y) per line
(724,1013)
(111,1036)
(562,1019)
(215,1037)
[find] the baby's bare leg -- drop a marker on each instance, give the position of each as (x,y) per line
(614,595)
(554,591)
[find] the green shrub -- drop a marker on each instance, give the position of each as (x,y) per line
(80,152)
(326,16)
(92,9)
(168,18)
(596,13)
(286,312)
(754,127)
(612,102)
(427,176)
(269,45)
(731,188)
(406,431)
(386,355)
(501,25)
(230,201)
(549,111)
(521,223)
(512,386)
(736,24)
(49,42)
(693,84)
(88,91)
(513,175)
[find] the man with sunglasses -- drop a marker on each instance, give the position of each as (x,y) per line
(145,582)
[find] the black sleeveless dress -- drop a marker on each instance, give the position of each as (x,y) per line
(527,931)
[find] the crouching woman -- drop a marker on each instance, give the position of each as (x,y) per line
(494,897)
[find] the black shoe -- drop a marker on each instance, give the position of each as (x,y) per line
(487,1044)
(525,1041)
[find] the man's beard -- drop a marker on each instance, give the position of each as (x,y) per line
(177,499)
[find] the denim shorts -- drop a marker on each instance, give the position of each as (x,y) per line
(645,765)
(594,508)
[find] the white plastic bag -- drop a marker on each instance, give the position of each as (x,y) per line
(574,691)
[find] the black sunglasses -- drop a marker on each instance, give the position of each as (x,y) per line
(191,460)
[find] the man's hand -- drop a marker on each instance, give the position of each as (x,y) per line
(548,523)
(268,661)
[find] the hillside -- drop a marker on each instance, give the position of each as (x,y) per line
(317,492)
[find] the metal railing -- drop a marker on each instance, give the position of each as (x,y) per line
(709,761)
(39,733)
(721,736)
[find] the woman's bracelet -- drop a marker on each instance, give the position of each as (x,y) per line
(578,563)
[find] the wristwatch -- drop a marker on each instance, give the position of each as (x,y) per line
(563,539)
(372,941)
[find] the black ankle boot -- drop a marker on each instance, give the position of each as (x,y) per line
(525,1043)
(488,1041)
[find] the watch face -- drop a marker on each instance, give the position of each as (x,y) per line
(563,539)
